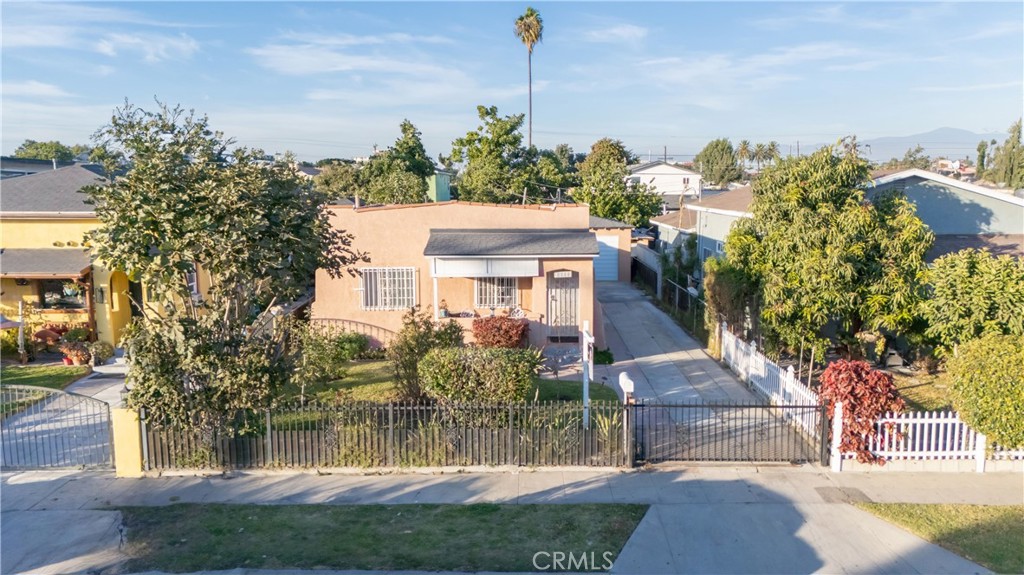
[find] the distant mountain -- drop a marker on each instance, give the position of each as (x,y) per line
(950,143)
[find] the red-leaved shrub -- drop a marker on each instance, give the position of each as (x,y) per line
(866,394)
(499,331)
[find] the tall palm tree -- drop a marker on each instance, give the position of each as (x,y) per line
(530,29)
(760,155)
(773,151)
(743,152)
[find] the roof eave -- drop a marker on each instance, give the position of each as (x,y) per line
(48,215)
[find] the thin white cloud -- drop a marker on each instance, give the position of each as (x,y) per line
(616,34)
(996,30)
(365,40)
(33,88)
(969,87)
(310,59)
(835,15)
(153,47)
(38,36)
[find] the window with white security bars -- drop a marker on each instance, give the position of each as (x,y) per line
(388,288)
(496,292)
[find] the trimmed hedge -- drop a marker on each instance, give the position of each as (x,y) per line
(479,374)
(500,331)
(988,387)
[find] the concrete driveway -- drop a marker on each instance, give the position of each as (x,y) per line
(665,363)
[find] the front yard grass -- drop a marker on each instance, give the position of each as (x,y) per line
(374,381)
(990,535)
(923,391)
(195,537)
(51,376)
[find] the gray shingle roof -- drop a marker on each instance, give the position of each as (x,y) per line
(48,262)
(607,223)
(491,242)
(53,191)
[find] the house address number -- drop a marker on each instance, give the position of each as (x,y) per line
(563,274)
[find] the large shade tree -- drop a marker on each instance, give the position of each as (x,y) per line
(530,30)
(186,203)
(603,186)
(495,165)
(817,251)
(717,163)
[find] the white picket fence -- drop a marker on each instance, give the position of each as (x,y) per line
(925,435)
(779,386)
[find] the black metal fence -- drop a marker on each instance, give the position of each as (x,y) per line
(46,428)
(726,431)
(684,307)
(404,435)
(644,275)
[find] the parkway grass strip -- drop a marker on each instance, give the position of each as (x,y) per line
(492,537)
(990,535)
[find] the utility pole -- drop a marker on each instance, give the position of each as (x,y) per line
(664,151)
(798,148)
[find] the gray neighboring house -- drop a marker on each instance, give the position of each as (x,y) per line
(961,214)
(714,216)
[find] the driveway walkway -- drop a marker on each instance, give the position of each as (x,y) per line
(665,363)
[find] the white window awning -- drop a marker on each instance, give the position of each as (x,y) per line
(484,267)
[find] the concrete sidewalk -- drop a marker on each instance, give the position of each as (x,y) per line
(701,520)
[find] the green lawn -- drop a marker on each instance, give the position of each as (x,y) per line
(373,381)
(924,392)
(52,376)
(195,537)
(990,535)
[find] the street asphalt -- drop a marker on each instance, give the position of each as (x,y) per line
(702,519)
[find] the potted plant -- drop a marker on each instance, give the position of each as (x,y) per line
(76,351)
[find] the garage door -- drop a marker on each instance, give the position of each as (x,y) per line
(606,266)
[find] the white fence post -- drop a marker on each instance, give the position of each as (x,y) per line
(980,446)
(837,437)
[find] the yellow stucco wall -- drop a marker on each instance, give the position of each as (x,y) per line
(396,235)
(127,436)
(43,233)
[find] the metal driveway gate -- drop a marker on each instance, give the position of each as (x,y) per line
(46,428)
(721,431)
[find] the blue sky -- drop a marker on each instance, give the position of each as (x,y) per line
(331,79)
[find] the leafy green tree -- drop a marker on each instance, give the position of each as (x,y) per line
(603,186)
(54,150)
(913,158)
(974,293)
(772,151)
(337,181)
(982,151)
(717,163)
(817,251)
(496,166)
(556,170)
(257,231)
(410,151)
(389,182)
(530,30)
(988,387)
(1008,163)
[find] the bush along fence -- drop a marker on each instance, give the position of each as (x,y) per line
(402,435)
(928,436)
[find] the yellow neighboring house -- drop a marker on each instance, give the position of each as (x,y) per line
(43,263)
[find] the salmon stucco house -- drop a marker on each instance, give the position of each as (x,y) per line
(473,260)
